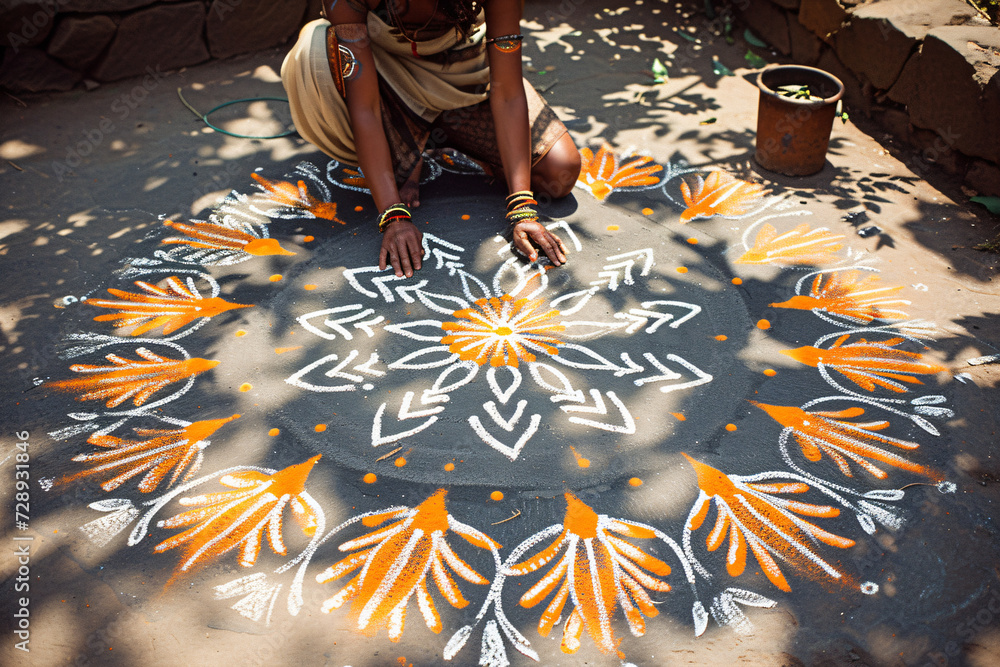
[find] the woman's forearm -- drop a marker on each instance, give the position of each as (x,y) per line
(374,158)
(510,114)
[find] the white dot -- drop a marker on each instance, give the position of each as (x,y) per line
(367,386)
(947,487)
(869,588)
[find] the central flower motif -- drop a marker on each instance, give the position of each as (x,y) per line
(502,330)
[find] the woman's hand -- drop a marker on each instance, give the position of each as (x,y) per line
(531,233)
(401,248)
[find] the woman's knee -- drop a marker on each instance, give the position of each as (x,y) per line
(557,172)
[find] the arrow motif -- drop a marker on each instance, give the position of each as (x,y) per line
(336,372)
(336,323)
(439,254)
(600,408)
(510,452)
(630,366)
(505,424)
(379,439)
(667,374)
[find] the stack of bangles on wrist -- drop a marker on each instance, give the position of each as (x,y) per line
(391,215)
(519,207)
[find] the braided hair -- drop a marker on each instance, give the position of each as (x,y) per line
(463,13)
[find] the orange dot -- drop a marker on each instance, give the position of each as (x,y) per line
(682,269)
(730,427)
(722,337)
(680,417)
(246,386)
(693,241)
(359,208)
(770,372)
(309,287)
(273,432)
(400,462)
(276,277)
(319,428)
(370,478)
(466,216)
(647,211)
(737,281)
(497,496)
(612,228)
(449,466)
(241,333)
(583,463)
(307,239)
(763,324)
(635,481)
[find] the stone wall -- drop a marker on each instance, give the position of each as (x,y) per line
(925,70)
(53,45)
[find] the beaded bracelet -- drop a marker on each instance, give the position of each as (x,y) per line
(391,215)
(519,207)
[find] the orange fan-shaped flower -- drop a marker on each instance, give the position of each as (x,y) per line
(130,378)
(239,518)
(849,295)
(868,365)
(501,331)
(159,452)
(219,237)
(799,246)
(819,433)
(170,307)
(603,173)
(598,571)
(719,194)
(751,514)
(288,194)
(395,563)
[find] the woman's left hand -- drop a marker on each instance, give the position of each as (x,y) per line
(531,233)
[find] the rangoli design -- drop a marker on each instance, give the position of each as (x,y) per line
(484,357)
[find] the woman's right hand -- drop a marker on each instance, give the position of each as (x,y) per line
(401,248)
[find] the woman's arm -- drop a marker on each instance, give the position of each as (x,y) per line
(401,243)
(510,116)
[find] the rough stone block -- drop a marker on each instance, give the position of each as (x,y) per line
(251,25)
(984,177)
(102,6)
(806,46)
(314,9)
(951,86)
(78,41)
(33,71)
(25,23)
(787,4)
(769,22)
(881,36)
(822,17)
(855,98)
(163,37)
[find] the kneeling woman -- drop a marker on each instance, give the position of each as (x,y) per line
(377,83)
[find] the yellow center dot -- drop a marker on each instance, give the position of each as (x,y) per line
(466,216)
(730,427)
(276,277)
(309,288)
(359,208)
(635,481)
(370,478)
(400,462)
(319,428)
(273,432)
(504,331)
(497,496)
(449,466)
(737,281)
(246,386)
(612,228)
(763,324)
(693,241)
(241,333)
(647,211)
(770,372)
(682,269)
(583,463)
(722,337)
(307,239)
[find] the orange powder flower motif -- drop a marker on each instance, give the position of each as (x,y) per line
(602,173)
(395,562)
(719,194)
(599,571)
(849,295)
(129,378)
(751,514)
(239,518)
(799,246)
(868,365)
(501,331)
(160,451)
(819,433)
(208,235)
(170,307)
(288,194)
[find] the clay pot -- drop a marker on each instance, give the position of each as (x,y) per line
(793,134)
